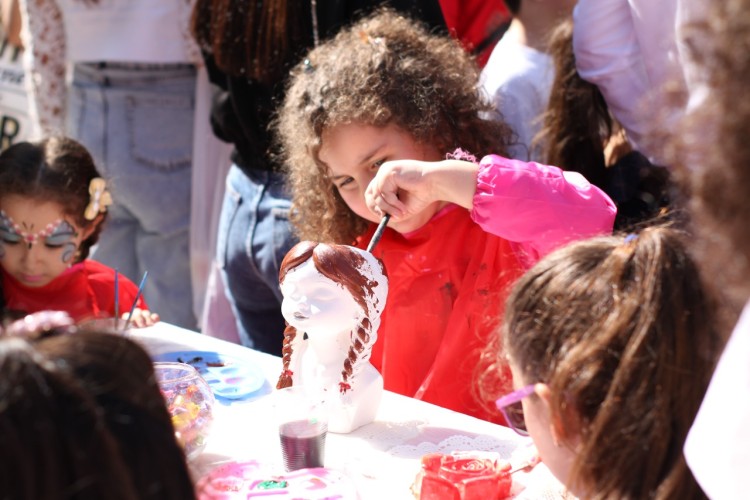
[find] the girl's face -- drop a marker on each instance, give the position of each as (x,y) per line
(354,152)
(554,452)
(315,304)
(38,241)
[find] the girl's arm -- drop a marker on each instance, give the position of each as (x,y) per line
(538,207)
(10,18)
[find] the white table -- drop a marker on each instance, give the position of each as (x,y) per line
(382,457)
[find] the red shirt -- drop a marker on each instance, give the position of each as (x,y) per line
(447,283)
(85,291)
(474,22)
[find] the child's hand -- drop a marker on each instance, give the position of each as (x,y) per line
(141,318)
(406,187)
(400,188)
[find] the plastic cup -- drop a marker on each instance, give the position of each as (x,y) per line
(303,426)
(190,403)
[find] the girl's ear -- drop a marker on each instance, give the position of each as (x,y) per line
(556,428)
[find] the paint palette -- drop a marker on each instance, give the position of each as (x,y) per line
(229,377)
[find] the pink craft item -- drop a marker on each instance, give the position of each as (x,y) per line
(252,479)
(463,476)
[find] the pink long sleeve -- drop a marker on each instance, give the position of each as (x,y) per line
(538,207)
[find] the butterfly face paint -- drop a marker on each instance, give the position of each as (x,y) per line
(37,243)
(12,232)
(63,236)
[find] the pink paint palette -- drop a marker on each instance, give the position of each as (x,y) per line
(229,377)
(251,479)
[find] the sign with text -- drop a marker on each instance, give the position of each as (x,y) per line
(15,125)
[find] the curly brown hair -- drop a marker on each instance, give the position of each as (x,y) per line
(624,334)
(711,152)
(385,69)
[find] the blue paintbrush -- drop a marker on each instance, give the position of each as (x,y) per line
(137,296)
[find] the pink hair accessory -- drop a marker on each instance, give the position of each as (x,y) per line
(460,154)
(42,321)
(28,237)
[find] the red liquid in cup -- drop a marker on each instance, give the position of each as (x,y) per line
(303,444)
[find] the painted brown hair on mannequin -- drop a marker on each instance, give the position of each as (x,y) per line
(342,265)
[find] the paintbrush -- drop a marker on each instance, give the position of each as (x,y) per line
(378,232)
(137,296)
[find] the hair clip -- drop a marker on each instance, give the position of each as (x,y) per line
(41,322)
(100,198)
(308,66)
(630,238)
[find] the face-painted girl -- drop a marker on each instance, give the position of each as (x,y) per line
(38,241)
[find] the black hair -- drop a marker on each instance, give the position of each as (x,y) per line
(56,169)
(514,6)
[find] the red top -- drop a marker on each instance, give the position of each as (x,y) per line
(85,291)
(447,284)
(474,21)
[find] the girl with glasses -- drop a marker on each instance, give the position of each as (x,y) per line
(610,342)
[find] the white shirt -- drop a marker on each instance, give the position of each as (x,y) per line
(718,446)
(630,49)
(518,80)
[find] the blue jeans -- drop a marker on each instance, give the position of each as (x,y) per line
(254,236)
(138,126)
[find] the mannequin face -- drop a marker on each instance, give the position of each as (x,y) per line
(315,304)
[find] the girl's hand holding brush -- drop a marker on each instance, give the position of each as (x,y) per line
(406,187)
(140,318)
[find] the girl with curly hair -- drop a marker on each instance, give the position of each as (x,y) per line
(386,89)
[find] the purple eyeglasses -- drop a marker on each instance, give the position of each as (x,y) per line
(512,409)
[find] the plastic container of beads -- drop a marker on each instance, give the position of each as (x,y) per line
(190,403)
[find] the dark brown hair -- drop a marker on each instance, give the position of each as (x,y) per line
(386,69)
(56,169)
(711,150)
(623,333)
(55,441)
(577,126)
(513,6)
(577,123)
(255,39)
(341,264)
(119,375)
